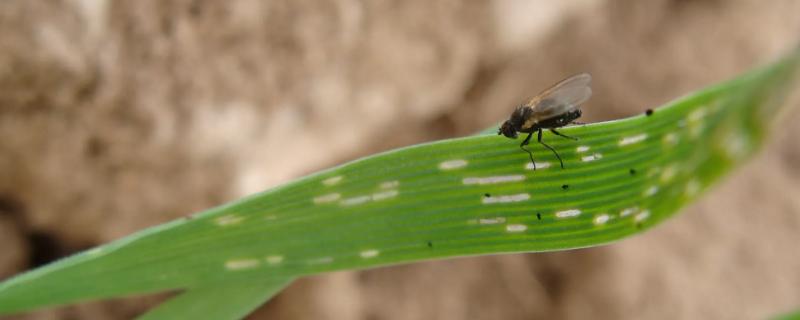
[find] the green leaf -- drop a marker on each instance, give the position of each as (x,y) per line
(227,300)
(449,198)
(788,316)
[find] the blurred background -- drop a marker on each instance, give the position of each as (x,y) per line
(119,115)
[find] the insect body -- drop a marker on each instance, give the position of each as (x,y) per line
(554,108)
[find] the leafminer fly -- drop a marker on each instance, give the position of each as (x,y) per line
(554,108)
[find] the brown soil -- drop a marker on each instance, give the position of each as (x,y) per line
(119,115)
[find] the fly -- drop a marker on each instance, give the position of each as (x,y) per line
(554,108)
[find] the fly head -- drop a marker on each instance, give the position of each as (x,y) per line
(508,130)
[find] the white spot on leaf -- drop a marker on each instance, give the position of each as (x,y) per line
(668,173)
(633,139)
(355,200)
(273,260)
(670,138)
(516,227)
(539,165)
(241,264)
(493,179)
(331,197)
(582,149)
(736,146)
(390,184)
(332,180)
(692,187)
(568,213)
(641,216)
(601,219)
(453,164)
(384,195)
(628,211)
(492,220)
(369,253)
(592,157)
(697,115)
(228,220)
(651,191)
(506,198)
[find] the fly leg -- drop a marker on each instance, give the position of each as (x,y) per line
(525,143)
(561,134)
(551,148)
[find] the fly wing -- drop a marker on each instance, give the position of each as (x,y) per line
(564,96)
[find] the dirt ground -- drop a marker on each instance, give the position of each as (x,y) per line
(118,115)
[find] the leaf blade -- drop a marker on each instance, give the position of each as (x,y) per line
(456,197)
(220,301)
